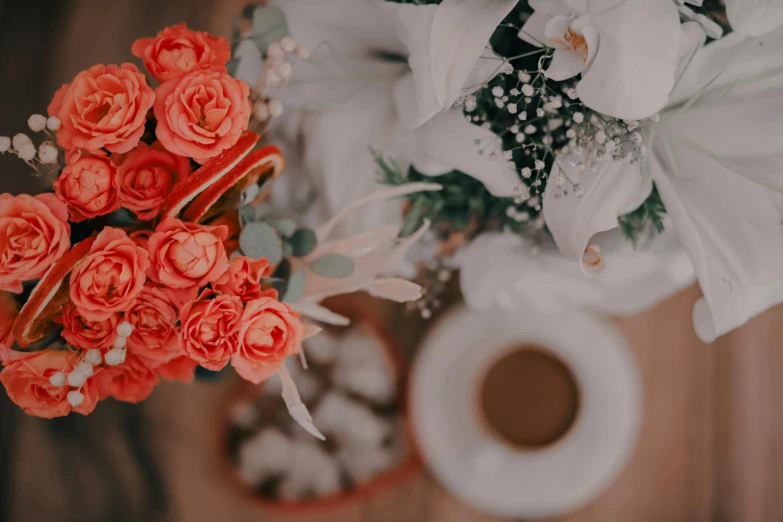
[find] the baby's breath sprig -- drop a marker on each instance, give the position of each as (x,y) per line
(44,159)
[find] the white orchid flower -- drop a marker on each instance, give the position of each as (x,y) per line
(385,75)
(716,156)
(505,271)
(626,50)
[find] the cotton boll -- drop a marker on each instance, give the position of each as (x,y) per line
(311,469)
(350,422)
(321,348)
(267,453)
(371,382)
(362,464)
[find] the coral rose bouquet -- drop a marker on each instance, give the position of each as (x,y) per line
(155,254)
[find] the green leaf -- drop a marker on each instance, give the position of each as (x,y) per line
(285,227)
(259,240)
(287,248)
(295,287)
(303,242)
(269,26)
(332,265)
(281,276)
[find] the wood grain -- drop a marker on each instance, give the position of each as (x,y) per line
(711,446)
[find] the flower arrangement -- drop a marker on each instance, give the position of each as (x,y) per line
(592,153)
(151,256)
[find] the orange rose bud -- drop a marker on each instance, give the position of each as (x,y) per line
(80,332)
(155,338)
(186,255)
(89,187)
(209,329)
(104,107)
(35,233)
(242,279)
(270,332)
(177,51)
(201,114)
(110,277)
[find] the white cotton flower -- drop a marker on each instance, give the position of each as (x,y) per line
(53,123)
(36,122)
(20,140)
(47,153)
(27,152)
(626,51)
(288,44)
(5,144)
(57,379)
(75,398)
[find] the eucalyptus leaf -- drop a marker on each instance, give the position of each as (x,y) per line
(287,249)
(295,287)
(333,266)
(269,26)
(303,242)
(259,240)
(247,214)
(285,227)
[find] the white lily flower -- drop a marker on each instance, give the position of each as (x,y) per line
(385,75)
(626,50)
(502,270)
(717,159)
(754,17)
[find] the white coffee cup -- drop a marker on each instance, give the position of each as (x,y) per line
(503,479)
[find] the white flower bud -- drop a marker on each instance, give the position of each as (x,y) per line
(261,111)
(27,152)
(600,137)
(120,342)
(530,129)
(5,143)
(528,90)
(284,70)
(272,78)
(288,44)
(76,378)
(53,123)
(20,140)
(48,153)
(579,117)
(275,108)
(124,329)
(75,398)
(523,77)
(84,368)
(114,357)
(275,50)
(303,52)
(36,122)
(526,172)
(57,379)
(93,357)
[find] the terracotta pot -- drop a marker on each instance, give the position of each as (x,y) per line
(406,469)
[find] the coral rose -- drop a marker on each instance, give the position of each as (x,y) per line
(242,278)
(82,333)
(177,50)
(201,114)
(89,187)
(270,332)
(181,369)
(9,309)
(131,381)
(209,329)
(146,176)
(27,383)
(155,338)
(186,255)
(104,107)
(34,233)
(110,277)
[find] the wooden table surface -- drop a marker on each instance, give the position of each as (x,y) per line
(711,446)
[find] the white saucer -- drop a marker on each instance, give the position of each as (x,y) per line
(493,477)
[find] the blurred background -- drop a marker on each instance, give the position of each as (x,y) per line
(711,446)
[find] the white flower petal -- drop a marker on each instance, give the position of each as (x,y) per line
(633,71)
(692,39)
(534,30)
(613,189)
(732,231)
(754,17)
(460,32)
(555,31)
(551,7)
(565,64)
(449,142)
